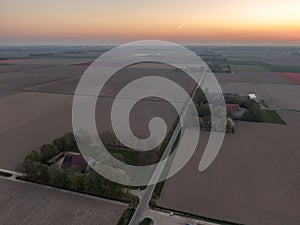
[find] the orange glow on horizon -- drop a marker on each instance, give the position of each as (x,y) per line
(227,21)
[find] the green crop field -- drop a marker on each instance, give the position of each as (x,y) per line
(287,69)
(259,66)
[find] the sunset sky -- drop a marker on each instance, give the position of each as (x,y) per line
(119,21)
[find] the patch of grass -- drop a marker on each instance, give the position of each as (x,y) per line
(128,214)
(139,158)
(194,216)
(5,174)
(271,116)
(158,190)
(159,187)
(147,221)
(130,156)
(252,68)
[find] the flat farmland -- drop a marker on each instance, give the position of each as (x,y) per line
(31,204)
(25,76)
(40,113)
(63,86)
(262,59)
(251,68)
(253,180)
(282,59)
(275,56)
(17,80)
(29,120)
(252,77)
(4,93)
(26,128)
(119,80)
(42,69)
(64,70)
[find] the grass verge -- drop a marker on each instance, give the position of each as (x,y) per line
(147,221)
(271,116)
(128,213)
(197,217)
(159,187)
(125,198)
(5,174)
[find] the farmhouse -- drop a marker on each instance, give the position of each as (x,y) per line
(68,159)
(74,159)
(235,110)
(233,107)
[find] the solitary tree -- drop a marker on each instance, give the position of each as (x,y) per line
(230,125)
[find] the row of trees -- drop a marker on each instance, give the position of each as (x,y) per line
(220,68)
(204,112)
(73,179)
(203,109)
(127,155)
(34,167)
(89,182)
(253,112)
(64,143)
(118,149)
(34,164)
(37,170)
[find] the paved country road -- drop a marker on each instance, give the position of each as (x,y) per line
(143,207)
(146,196)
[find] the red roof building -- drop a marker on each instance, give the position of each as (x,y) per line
(74,159)
(232,107)
(54,159)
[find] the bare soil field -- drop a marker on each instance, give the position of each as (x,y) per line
(40,113)
(26,129)
(253,180)
(31,67)
(67,60)
(30,204)
(119,80)
(28,126)
(16,80)
(26,76)
(63,86)
(64,70)
(24,107)
(4,93)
